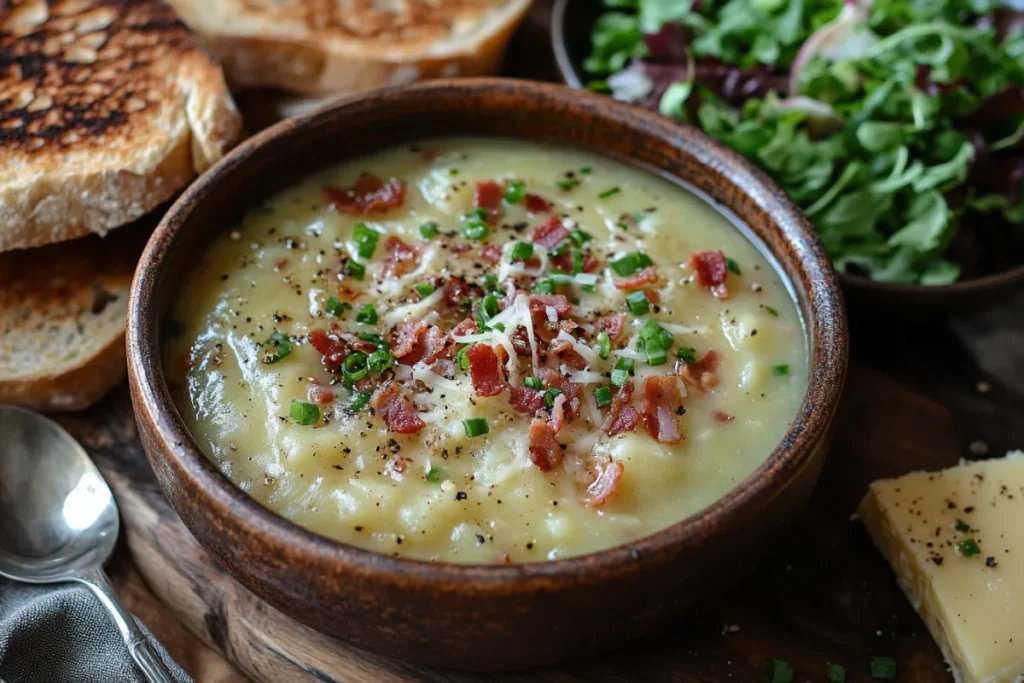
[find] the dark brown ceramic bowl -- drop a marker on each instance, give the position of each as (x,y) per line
(571,25)
(501,616)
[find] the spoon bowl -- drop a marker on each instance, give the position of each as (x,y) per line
(59,521)
(57,515)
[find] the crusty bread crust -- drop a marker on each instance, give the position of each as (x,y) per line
(327,47)
(108,108)
(63,310)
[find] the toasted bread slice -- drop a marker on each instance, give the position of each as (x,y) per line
(62,319)
(321,47)
(107,108)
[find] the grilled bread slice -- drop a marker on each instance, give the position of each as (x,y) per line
(321,47)
(107,109)
(62,319)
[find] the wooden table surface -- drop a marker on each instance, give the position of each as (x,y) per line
(919,396)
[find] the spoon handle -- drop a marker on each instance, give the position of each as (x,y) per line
(152,668)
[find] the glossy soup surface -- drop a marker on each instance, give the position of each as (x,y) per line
(366,440)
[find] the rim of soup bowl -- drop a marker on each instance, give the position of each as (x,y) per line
(825,332)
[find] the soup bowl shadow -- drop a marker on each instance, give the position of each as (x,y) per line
(483,617)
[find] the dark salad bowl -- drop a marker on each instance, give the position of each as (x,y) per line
(484,616)
(572,22)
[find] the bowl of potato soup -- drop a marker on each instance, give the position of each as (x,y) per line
(485,373)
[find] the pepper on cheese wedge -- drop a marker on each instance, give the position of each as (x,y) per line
(955,539)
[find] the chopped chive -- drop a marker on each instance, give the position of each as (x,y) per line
(655,352)
(609,192)
(603,396)
(577,261)
(360,401)
(568,184)
(637,303)
(688,355)
(630,263)
(623,368)
(367,315)
(580,237)
(305,413)
(777,671)
(780,370)
(588,288)
(515,190)
(355,367)
(356,270)
(545,286)
(604,345)
(489,307)
(883,668)
(834,673)
(772,311)
(549,397)
(586,170)
(366,240)
(278,346)
(533,383)
(380,360)
(435,474)
(732,266)
(491,284)
(461,359)
(424,289)
(336,308)
(961,526)
(429,230)
(476,426)
(968,547)
(475,230)
(652,331)
(374,339)
(522,251)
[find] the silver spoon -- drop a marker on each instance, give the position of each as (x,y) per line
(58,520)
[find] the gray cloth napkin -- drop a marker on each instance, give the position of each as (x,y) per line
(61,634)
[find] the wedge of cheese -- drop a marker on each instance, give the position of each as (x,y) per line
(955,539)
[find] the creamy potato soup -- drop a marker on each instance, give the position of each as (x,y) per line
(486,351)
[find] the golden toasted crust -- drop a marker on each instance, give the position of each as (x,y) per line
(62,319)
(319,47)
(107,108)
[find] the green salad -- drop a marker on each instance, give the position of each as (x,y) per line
(897,125)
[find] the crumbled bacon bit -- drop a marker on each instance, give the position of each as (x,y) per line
(652,296)
(396,411)
(545,452)
(612,325)
(281,264)
(536,204)
(318,394)
(521,341)
(356,343)
(557,417)
(661,399)
(485,370)
(396,468)
(701,375)
(539,304)
(526,400)
(590,263)
(487,195)
(572,391)
(622,417)
(491,253)
(550,233)
(416,341)
(402,258)
(330,347)
(467,326)
(722,416)
(711,271)
(457,288)
(647,276)
(369,195)
(604,487)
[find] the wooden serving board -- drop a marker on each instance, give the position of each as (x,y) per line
(825,595)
